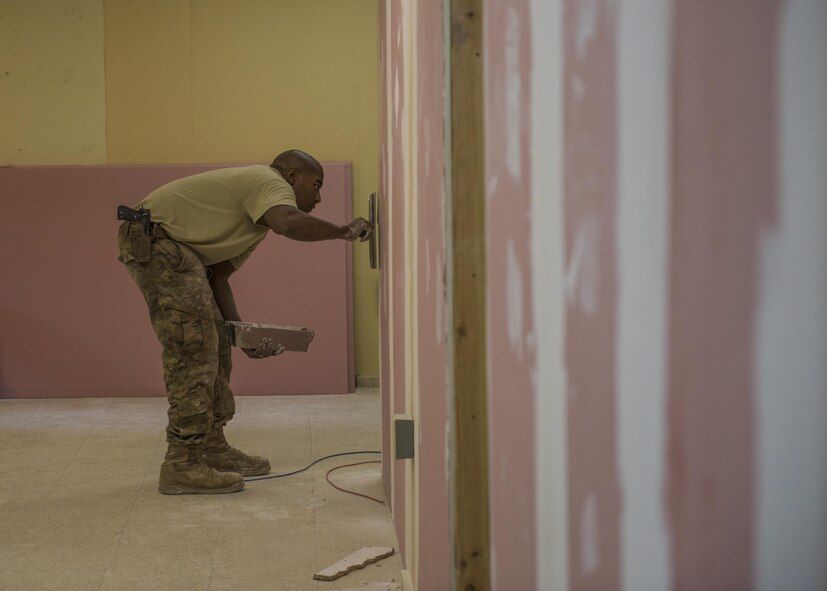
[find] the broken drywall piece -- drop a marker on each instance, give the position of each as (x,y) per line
(359,559)
(375,587)
(249,335)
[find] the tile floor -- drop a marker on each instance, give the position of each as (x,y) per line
(80,510)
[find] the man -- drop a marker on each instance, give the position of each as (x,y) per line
(202,228)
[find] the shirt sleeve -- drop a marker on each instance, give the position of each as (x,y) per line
(270,192)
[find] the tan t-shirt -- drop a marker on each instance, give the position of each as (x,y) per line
(215,212)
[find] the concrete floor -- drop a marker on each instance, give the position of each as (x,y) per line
(80,510)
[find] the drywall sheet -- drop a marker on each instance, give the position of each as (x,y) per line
(590,216)
(434,521)
(723,198)
(394,200)
(382,245)
(510,319)
(74,324)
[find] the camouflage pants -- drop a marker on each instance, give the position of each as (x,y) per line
(196,349)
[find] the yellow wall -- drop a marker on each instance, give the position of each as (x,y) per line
(197,81)
(52,92)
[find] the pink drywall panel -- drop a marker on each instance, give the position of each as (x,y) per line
(382,254)
(590,210)
(511,333)
(395,271)
(74,324)
(434,556)
(724,194)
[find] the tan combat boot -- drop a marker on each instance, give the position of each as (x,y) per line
(182,474)
(218,454)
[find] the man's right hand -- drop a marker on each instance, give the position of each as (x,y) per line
(297,225)
(358,228)
(266,348)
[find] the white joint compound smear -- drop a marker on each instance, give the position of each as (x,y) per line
(514,299)
(643,50)
(513,96)
(586,24)
(548,293)
(583,273)
(589,536)
(791,323)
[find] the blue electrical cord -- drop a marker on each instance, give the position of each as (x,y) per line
(271,476)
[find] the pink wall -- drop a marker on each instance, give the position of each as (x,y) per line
(74,324)
(434,557)
(382,231)
(434,523)
(687,476)
(511,339)
(589,202)
(394,272)
(722,199)
(724,193)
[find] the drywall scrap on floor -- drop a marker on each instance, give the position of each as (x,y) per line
(375,587)
(359,559)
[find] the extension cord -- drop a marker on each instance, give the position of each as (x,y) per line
(271,476)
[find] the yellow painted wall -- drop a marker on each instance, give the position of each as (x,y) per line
(52,91)
(218,81)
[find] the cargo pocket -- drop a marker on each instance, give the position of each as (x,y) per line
(184,329)
(192,405)
(191,416)
(168,254)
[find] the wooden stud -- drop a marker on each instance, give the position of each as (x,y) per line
(470,440)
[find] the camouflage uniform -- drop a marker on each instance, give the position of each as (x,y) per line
(196,349)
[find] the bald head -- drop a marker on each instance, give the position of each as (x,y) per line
(304,174)
(301,161)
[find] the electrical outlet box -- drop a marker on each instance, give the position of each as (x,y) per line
(403,429)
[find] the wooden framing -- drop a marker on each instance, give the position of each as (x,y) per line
(470,421)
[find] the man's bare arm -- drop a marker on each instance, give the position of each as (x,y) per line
(223,293)
(297,225)
(220,284)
